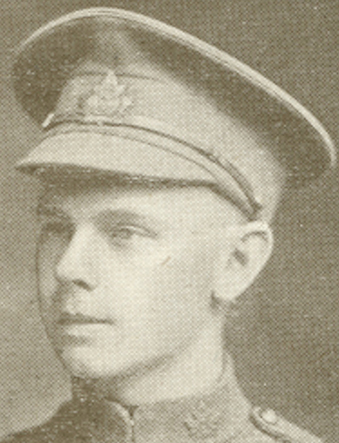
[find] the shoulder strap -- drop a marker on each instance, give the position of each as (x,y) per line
(277,427)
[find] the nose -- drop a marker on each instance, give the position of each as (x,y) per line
(78,263)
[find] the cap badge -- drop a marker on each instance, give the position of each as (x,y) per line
(106,100)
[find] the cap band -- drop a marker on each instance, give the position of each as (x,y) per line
(224,177)
(188,149)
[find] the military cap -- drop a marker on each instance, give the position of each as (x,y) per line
(123,94)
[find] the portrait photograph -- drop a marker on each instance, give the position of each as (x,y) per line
(169,224)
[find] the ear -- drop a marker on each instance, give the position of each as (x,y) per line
(242,260)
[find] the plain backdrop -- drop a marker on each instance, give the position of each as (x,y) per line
(286,331)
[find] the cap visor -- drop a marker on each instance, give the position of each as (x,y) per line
(114,154)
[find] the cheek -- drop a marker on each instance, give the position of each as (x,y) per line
(187,270)
(187,281)
(169,295)
(49,252)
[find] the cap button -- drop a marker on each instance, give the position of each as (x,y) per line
(269,416)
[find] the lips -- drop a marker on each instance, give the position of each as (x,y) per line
(80,319)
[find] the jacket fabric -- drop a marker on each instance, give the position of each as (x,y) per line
(222,415)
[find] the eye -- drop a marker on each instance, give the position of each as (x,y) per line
(124,233)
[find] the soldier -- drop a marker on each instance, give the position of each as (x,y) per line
(162,163)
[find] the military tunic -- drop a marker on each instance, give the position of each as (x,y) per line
(222,415)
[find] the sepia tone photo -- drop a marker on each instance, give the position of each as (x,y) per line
(169,215)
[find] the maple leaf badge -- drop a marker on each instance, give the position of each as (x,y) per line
(106,100)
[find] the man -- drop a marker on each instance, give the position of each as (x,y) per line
(162,163)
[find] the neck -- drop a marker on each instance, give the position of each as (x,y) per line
(194,371)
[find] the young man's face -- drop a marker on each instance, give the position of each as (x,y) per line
(126,274)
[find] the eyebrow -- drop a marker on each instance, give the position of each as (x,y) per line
(104,217)
(123,216)
(43,209)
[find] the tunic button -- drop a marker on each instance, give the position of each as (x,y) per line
(269,416)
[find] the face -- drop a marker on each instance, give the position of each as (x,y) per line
(126,274)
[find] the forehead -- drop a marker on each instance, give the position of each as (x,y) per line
(193,204)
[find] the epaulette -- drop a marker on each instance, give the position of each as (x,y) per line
(269,422)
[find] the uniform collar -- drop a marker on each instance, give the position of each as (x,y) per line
(216,416)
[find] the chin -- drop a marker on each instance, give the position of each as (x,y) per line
(89,363)
(84,363)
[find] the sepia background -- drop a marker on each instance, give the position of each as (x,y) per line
(286,332)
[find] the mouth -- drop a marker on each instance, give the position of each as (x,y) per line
(80,319)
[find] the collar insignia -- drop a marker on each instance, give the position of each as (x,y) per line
(202,423)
